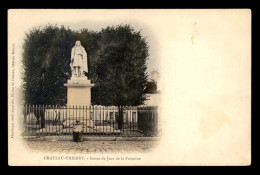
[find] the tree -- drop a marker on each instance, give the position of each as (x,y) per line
(121,69)
(116,62)
(46,54)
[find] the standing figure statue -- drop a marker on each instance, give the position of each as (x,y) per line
(79,63)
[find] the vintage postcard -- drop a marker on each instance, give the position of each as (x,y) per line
(129,87)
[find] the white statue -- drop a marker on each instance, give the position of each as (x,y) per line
(79,63)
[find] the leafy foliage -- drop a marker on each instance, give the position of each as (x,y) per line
(121,69)
(46,62)
(116,62)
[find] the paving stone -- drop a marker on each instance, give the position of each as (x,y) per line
(104,147)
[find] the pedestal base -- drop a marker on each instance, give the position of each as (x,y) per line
(79,92)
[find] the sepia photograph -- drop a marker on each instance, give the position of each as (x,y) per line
(129,87)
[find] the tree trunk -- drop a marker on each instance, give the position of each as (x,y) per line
(42,115)
(120,117)
(39,113)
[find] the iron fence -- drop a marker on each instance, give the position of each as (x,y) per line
(96,120)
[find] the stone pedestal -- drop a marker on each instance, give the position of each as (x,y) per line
(79,96)
(79,92)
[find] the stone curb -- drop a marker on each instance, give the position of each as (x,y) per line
(137,138)
(99,138)
(69,138)
(28,137)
